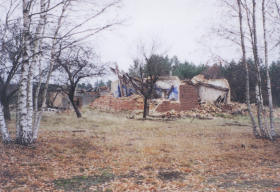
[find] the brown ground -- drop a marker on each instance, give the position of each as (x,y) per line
(108,152)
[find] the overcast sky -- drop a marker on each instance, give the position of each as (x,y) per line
(183,28)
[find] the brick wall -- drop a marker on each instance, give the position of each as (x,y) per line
(188,100)
(110,103)
(188,95)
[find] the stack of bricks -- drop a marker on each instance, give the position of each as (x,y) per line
(188,100)
(110,103)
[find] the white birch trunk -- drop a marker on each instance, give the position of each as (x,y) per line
(270,100)
(29,118)
(39,113)
(35,57)
(260,108)
(36,101)
(36,98)
(4,130)
(37,92)
(253,122)
(259,111)
(18,130)
(25,129)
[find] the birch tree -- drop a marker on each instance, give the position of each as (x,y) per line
(38,17)
(259,97)
(3,128)
(61,37)
(244,60)
(248,37)
(266,60)
(39,112)
(25,128)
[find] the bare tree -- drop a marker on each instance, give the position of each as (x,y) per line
(37,20)
(39,111)
(248,37)
(261,114)
(244,60)
(78,64)
(268,81)
(60,37)
(146,74)
(10,49)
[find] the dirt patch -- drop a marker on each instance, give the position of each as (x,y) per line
(138,178)
(83,183)
(253,184)
(182,155)
(170,175)
(239,181)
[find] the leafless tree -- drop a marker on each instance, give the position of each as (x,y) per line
(259,96)
(77,63)
(67,38)
(248,13)
(10,49)
(40,26)
(147,73)
(244,60)
(266,60)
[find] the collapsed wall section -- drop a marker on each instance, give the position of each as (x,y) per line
(110,103)
(189,99)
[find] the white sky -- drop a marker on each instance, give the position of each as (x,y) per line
(183,27)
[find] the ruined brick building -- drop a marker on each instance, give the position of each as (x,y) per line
(172,94)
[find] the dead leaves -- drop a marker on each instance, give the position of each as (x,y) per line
(181,158)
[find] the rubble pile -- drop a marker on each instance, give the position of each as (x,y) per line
(209,111)
(205,111)
(134,105)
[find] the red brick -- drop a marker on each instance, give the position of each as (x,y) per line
(188,100)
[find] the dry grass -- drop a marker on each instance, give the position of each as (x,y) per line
(104,151)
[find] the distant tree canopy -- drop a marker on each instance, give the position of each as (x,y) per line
(275,81)
(235,74)
(99,83)
(108,84)
(213,72)
(87,86)
(161,65)
(186,70)
(169,66)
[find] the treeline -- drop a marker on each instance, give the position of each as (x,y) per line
(233,71)
(235,74)
(169,66)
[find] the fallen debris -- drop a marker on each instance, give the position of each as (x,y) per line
(79,131)
(204,112)
(234,124)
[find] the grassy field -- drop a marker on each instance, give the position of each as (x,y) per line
(108,152)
